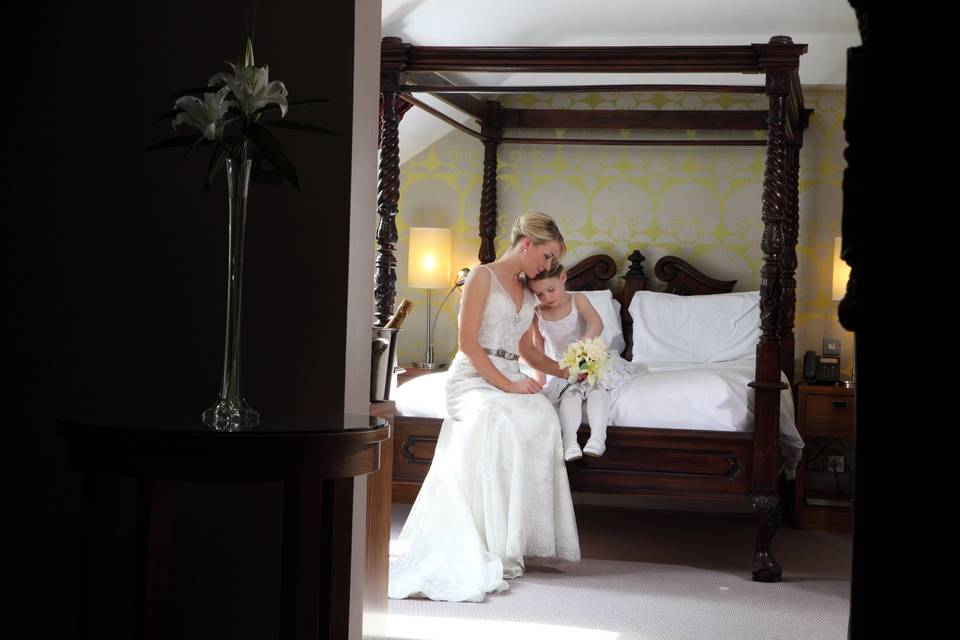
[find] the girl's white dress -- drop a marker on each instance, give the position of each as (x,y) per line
(560,334)
(497,489)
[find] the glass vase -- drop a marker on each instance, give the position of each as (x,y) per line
(231,412)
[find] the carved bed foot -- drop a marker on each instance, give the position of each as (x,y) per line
(765,566)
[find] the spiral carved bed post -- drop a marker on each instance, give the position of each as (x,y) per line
(767,386)
(491,132)
(788,261)
(392,60)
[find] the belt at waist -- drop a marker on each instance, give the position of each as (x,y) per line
(500,353)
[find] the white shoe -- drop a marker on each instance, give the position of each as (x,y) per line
(594,448)
(572,452)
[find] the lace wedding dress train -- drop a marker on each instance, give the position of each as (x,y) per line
(497,489)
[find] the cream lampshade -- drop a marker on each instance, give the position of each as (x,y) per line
(841,272)
(429,268)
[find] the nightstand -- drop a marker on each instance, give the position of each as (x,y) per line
(824,490)
(410,372)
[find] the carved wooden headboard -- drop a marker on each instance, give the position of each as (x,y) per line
(595,272)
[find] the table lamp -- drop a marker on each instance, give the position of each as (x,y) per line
(461,278)
(841,273)
(429,268)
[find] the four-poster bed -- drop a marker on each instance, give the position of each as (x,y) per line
(709,465)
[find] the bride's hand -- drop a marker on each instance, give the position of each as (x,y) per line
(527,385)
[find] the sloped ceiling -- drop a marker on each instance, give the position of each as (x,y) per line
(828,26)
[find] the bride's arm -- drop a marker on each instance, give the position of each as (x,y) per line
(539,376)
(475,292)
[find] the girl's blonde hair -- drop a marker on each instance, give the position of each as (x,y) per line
(555,271)
(540,228)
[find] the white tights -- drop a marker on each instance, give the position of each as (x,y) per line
(571,413)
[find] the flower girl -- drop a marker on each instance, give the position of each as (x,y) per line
(563,318)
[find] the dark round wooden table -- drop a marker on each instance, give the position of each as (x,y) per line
(316,458)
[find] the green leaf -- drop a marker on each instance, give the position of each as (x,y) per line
(270,147)
(300,126)
(167,116)
(234,145)
(264,109)
(195,91)
(202,142)
(290,105)
(179,141)
(300,103)
(217,160)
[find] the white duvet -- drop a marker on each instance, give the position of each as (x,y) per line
(702,396)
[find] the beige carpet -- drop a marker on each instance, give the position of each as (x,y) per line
(652,575)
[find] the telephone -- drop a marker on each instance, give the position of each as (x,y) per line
(821,369)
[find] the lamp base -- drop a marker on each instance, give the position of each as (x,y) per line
(429,365)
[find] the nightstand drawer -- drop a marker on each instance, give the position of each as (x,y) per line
(826,422)
(829,415)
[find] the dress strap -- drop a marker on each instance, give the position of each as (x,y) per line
(493,276)
(513,303)
(573,310)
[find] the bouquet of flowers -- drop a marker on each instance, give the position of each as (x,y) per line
(590,357)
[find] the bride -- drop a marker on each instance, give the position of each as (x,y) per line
(497,489)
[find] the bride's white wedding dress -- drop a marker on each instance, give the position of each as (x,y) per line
(497,489)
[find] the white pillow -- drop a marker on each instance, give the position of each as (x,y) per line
(705,328)
(609,310)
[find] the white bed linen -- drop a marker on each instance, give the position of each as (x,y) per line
(702,396)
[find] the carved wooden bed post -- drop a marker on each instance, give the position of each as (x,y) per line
(788,262)
(392,63)
(490,131)
(779,64)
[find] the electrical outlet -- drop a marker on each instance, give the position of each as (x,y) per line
(835,463)
(831,346)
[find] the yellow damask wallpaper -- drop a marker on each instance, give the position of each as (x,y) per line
(700,203)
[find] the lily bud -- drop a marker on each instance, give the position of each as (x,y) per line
(248,54)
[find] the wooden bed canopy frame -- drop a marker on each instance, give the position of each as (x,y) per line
(709,465)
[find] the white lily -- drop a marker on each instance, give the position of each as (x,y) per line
(251,85)
(595,349)
(205,115)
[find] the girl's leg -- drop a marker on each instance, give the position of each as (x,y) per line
(598,414)
(570,413)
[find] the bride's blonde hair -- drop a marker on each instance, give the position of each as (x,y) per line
(540,228)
